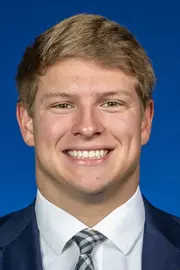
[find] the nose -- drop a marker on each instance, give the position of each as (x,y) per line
(87,124)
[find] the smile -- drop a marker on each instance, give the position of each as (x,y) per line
(93,154)
(88,157)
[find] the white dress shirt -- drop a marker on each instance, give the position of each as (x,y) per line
(124,228)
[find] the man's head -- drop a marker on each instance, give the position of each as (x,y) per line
(86,84)
(90,37)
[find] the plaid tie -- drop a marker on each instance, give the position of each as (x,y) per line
(86,241)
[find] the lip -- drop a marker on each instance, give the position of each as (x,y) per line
(86,161)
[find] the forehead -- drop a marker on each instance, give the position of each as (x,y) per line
(78,75)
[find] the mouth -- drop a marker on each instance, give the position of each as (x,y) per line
(85,154)
(88,157)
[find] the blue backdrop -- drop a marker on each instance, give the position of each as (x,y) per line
(156,24)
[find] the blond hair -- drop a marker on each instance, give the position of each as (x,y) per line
(90,37)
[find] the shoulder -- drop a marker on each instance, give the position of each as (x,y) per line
(164,217)
(163,222)
(13,223)
(4,219)
(10,216)
(160,215)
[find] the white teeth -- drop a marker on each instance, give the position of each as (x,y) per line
(101,153)
(85,154)
(91,154)
(88,154)
(80,154)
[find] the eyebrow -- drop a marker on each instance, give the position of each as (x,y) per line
(115,93)
(99,95)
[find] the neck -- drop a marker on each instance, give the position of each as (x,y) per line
(89,209)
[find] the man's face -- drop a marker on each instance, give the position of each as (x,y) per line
(87,127)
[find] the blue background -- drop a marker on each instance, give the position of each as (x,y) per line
(156,24)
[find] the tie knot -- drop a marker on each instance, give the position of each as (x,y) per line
(87,239)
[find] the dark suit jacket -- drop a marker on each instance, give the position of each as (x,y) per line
(20,246)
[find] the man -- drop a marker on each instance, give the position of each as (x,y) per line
(85,105)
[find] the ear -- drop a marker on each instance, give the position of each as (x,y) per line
(146,123)
(25,123)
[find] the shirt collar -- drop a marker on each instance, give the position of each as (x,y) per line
(56,226)
(122,226)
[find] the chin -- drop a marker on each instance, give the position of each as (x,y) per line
(92,191)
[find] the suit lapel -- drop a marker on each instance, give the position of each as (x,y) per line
(161,241)
(20,250)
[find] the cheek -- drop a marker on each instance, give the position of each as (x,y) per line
(50,129)
(124,126)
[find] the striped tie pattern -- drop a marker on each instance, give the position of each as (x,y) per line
(86,240)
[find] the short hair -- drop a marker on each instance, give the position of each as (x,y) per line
(91,37)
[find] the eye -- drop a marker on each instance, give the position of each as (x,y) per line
(62,106)
(112,104)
